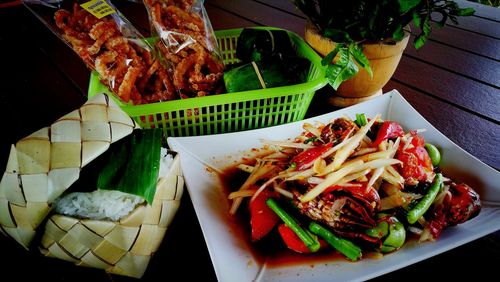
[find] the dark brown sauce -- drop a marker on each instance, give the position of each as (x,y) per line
(271,248)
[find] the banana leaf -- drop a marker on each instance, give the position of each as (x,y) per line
(274,73)
(258,44)
(132,164)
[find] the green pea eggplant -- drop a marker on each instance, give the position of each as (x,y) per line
(391,232)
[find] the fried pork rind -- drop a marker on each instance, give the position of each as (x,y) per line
(188,45)
(112,47)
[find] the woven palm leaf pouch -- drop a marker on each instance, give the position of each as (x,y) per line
(87,228)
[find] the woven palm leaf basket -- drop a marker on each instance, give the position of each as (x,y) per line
(43,165)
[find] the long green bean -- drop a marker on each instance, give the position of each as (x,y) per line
(311,243)
(423,205)
(346,247)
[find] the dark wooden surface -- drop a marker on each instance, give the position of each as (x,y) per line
(453,81)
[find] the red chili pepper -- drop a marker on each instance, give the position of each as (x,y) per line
(306,158)
(262,218)
(293,241)
(388,129)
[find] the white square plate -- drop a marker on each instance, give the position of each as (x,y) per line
(201,156)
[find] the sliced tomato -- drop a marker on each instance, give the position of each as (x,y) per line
(262,218)
(306,158)
(388,130)
(410,170)
(423,158)
(293,241)
(416,165)
(417,140)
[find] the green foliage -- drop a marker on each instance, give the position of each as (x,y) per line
(343,69)
(354,22)
(493,3)
(356,51)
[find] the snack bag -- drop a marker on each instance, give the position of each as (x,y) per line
(188,45)
(110,45)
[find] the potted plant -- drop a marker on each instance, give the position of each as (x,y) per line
(363,41)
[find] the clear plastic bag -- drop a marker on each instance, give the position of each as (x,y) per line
(188,46)
(109,44)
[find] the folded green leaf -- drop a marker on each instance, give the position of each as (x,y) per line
(259,44)
(274,73)
(133,164)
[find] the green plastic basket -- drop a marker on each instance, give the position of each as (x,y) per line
(233,111)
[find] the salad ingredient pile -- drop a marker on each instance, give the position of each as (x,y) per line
(363,185)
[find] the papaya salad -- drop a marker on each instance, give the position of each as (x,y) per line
(354,186)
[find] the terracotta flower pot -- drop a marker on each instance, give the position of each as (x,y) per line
(384,59)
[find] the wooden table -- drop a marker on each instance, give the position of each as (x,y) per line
(453,81)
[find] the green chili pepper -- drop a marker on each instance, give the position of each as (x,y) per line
(423,205)
(361,120)
(311,242)
(433,153)
(346,247)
